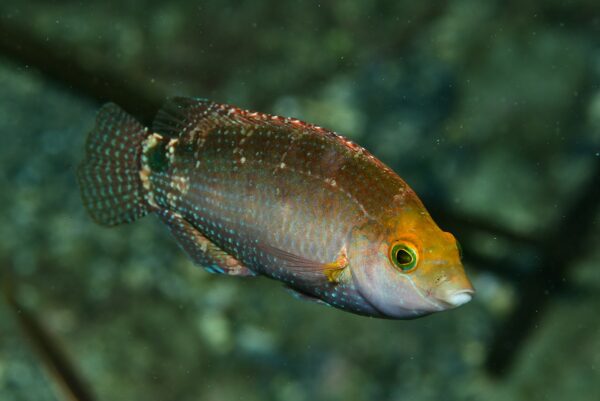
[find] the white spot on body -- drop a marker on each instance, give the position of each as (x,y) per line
(148,144)
(181,184)
(194,132)
(171,149)
(180,187)
(171,146)
(145,177)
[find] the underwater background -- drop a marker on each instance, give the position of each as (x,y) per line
(490,110)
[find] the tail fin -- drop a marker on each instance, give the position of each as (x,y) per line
(109,179)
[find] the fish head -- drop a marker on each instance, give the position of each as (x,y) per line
(407,267)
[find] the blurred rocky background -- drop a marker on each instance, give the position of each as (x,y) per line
(489,109)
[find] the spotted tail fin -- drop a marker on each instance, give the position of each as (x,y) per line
(109,175)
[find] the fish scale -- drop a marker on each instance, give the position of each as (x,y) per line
(278,205)
(278,188)
(251,194)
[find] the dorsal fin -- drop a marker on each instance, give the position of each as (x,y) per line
(180,114)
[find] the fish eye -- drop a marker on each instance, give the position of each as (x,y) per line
(404,257)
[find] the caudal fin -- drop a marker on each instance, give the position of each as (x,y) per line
(109,175)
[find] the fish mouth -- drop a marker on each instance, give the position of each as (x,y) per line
(457,298)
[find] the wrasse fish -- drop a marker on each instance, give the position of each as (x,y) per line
(251,194)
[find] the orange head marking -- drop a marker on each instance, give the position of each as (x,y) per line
(405,266)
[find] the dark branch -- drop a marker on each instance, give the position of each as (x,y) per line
(46,348)
(60,64)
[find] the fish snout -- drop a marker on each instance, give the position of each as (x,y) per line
(459,298)
(454,297)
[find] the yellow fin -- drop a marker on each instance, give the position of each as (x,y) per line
(309,270)
(334,270)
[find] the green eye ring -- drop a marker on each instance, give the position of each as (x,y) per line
(404,257)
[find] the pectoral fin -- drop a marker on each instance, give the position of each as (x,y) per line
(202,250)
(310,270)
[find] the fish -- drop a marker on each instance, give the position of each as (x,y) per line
(252,194)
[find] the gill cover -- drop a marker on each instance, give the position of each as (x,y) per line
(408,267)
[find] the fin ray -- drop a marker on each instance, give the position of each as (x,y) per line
(200,249)
(111,188)
(180,113)
(309,270)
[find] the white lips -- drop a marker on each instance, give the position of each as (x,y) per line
(459,298)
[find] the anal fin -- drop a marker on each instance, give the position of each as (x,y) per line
(201,249)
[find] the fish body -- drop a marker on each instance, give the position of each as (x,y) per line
(251,194)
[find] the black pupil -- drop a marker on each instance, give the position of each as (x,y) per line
(403,257)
